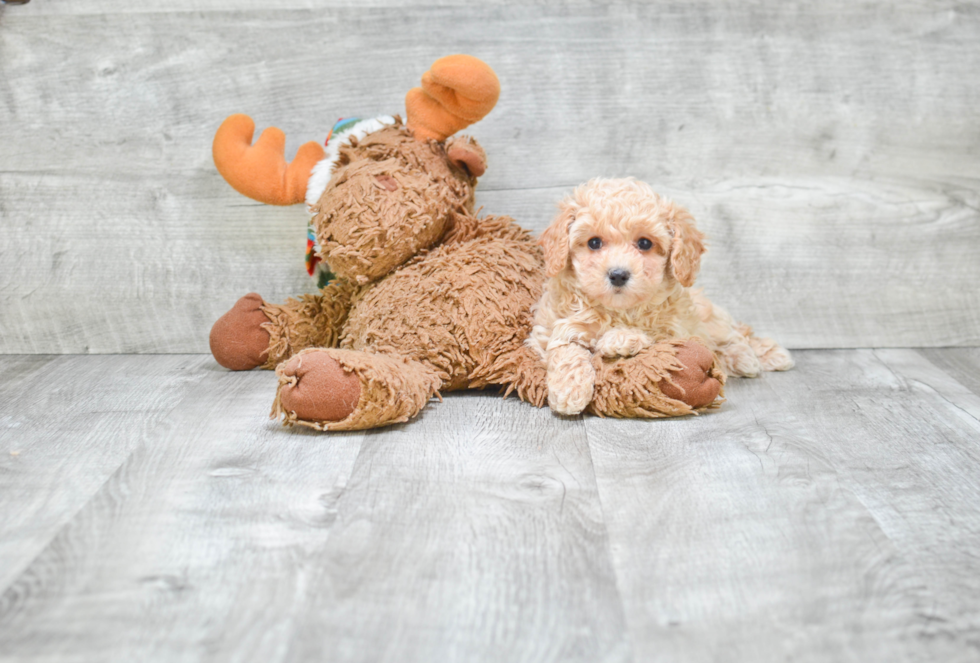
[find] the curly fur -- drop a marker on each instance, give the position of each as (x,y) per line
(429,299)
(587,309)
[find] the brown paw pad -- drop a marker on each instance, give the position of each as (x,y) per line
(238,341)
(692,384)
(317,388)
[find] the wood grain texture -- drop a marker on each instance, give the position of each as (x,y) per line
(475,533)
(824,514)
(956,387)
(215,539)
(828,513)
(829,150)
(89,7)
(962,364)
(198,546)
(66,424)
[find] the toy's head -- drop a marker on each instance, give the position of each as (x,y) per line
(387,193)
(390,196)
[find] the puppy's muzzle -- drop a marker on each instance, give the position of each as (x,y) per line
(618,277)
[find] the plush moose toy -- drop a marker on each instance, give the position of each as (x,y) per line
(427,297)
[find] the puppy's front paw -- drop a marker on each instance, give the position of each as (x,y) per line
(571,380)
(569,397)
(621,343)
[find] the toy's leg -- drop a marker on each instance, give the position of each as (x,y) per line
(314,321)
(255,333)
(667,379)
(238,340)
(332,389)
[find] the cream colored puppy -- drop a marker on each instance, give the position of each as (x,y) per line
(621,261)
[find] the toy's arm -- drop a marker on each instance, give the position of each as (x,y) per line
(667,379)
(260,171)
(313,321)
(466,228)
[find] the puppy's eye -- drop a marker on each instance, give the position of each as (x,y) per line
(595,243)
(644,244)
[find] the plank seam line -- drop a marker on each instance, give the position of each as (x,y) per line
(74,514)
(628,633)
(141,445)
(927,386)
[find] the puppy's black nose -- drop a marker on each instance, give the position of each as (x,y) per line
(618,277)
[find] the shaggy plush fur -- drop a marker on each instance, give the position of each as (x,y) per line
(621,260)
(374,346)
(428,297)
(390,196)
(455,317)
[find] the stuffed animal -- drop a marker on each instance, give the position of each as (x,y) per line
(426,297)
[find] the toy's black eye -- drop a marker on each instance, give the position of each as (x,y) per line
(644,244)
(595,243)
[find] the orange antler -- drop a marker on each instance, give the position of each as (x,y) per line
(456,92)
(260,171)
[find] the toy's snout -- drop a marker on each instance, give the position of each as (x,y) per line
(387,182)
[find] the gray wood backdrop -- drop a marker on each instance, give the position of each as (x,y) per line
(829,149)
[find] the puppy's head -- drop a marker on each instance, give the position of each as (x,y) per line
(622,243)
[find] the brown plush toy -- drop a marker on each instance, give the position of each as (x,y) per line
(427,297)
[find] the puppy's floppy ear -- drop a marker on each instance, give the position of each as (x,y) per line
(467,155)
(686,248)
(554,240)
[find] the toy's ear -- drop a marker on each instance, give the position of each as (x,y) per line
(467,155)
(456,92)
(554,240)
(687,247)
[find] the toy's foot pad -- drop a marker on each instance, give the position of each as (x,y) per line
(694,385)
(238,341)
(316,388)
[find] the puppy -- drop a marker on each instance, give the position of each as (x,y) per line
(621,261)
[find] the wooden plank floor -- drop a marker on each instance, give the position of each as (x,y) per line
(150,512)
